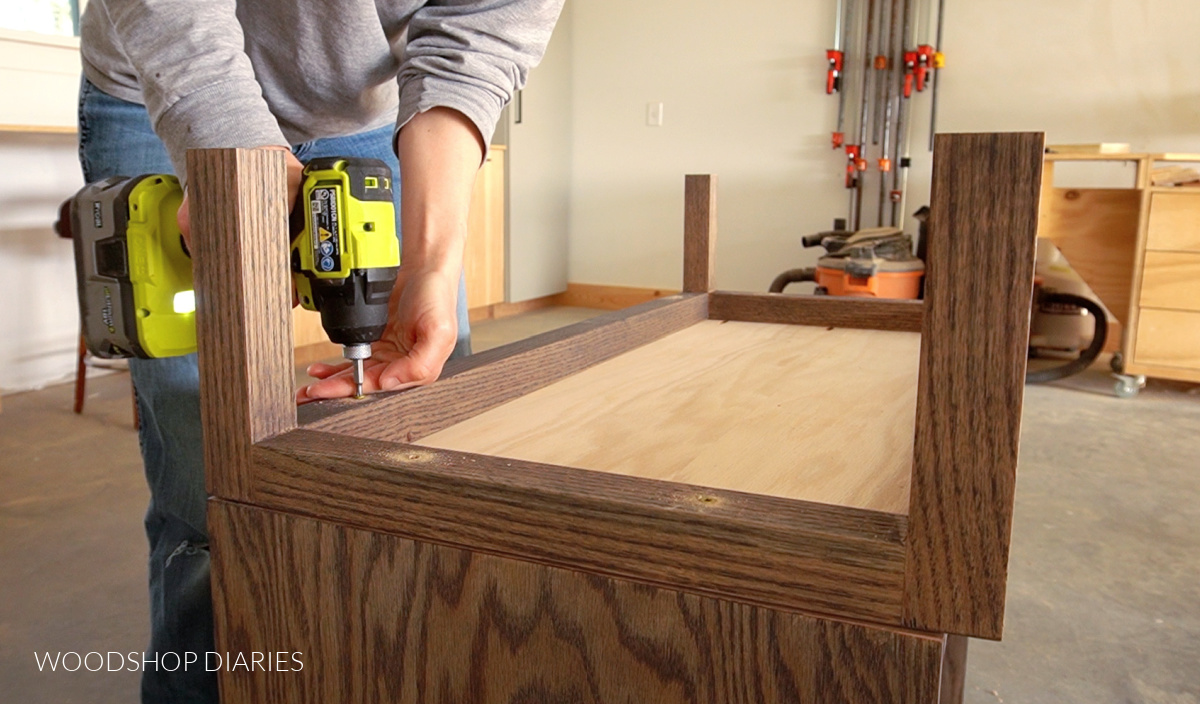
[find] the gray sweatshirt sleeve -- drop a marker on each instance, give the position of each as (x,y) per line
(472,55)
(194,74)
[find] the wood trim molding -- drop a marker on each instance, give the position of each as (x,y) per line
(477,383)
(984,217)
(504,310)
(604,297)
(835,311)
(243,311)
(755,549)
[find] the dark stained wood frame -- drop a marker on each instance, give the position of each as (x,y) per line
(939,569)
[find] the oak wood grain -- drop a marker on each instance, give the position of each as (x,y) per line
(776,410)
(954,670)
(381,618)
(836,311)
(756,549)
(699,233)
(973,348)
(243,312)
(477,383)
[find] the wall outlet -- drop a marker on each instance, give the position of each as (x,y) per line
(654,114)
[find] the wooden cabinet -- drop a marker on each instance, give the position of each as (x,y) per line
(651,516)
(1166,318)
(483,262)
(1173,222)
(1139,250)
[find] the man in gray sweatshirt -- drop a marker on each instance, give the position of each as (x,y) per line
(424,80)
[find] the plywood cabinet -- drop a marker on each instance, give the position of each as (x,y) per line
(1139,250)
(483,262)
(635,508)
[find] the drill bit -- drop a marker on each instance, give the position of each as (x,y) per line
(358,378)
(356,353)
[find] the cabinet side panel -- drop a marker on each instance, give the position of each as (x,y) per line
(974,343)
(384,619)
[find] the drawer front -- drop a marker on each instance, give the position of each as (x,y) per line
(1168,338)
(1171,280)
(1174,222)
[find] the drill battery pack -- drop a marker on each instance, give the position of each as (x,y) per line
(133,271)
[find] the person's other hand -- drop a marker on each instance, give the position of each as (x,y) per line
(421,333)
(295,172)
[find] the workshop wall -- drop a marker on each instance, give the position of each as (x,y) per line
(743,93)
(39,315)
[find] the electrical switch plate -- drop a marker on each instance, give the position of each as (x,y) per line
(654,114)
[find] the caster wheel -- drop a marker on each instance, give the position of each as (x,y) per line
(1128,386)
(1117,363)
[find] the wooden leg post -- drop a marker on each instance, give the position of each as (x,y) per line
(699,232)
(243,315)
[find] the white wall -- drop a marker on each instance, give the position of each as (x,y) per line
(744,98)
(539,174)
(39,77)
(39,312)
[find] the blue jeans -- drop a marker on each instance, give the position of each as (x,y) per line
(116,139)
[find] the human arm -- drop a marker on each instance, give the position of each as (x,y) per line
(462,63)
(440,151)
(186,61)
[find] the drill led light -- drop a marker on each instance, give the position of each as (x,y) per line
(185,302)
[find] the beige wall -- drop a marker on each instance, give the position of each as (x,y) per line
(39,317)
(39,79)
(744,98)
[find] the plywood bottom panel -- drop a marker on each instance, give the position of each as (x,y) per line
(377,618)
(716,405)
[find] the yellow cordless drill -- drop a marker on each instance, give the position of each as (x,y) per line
(134,274)
(345,254)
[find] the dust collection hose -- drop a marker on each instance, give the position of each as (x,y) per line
(792,276)
(1087,356)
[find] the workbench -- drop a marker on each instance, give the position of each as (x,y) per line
(712,497)
(1138,249)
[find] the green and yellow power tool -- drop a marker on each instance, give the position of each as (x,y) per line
(345,254)
(134,274)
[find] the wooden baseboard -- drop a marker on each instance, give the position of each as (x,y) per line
(503,310)
(315,352)
(608,297)
(596,296)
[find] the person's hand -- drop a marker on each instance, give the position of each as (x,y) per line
(295,172)
(421,333)
(440,151)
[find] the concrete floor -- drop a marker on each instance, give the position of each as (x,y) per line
(1104,588)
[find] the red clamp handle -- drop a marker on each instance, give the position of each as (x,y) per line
(834,74)
(838,140)
(853,157)
(924,61)
(910,65)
